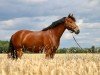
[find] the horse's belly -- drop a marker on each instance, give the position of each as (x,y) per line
(34,46)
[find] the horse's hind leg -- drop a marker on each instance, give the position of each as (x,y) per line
(19,53)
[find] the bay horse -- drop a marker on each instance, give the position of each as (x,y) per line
(47,40)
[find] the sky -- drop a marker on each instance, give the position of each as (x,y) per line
(37,14)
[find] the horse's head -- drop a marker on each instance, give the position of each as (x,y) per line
(71,25)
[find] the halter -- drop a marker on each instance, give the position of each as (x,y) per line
(77,42)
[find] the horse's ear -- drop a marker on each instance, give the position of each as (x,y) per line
(69,15)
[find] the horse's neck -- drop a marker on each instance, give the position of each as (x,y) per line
(58,31)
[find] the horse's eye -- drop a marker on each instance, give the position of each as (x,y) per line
(70,22)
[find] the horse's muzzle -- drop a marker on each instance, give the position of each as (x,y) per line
(77,31)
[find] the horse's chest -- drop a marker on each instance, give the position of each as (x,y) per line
(55,43)
(51,42)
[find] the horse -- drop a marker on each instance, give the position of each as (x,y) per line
(47,39)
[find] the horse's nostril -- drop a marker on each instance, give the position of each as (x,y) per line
(77,32)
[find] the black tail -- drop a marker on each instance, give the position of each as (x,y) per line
(12,52)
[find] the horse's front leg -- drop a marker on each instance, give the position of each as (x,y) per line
(48,52)
(52,53)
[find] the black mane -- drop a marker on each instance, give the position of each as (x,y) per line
(54,24)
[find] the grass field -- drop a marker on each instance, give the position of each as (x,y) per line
(62,64)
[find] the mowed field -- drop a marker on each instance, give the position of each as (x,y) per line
(62,64)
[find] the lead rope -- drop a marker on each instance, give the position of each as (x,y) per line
(77,42)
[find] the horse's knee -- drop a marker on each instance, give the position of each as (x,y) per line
(48,53)
(52,53)
(47,56)
(9,55)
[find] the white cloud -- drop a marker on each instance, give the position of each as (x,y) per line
(93,3)
(67,36)
(79,23)
(5,35)
(32,1)
(83,35)
(33,23)
(21,8)
(97,40)
(88,25)
(8,23)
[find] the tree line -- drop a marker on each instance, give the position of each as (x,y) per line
(4,46)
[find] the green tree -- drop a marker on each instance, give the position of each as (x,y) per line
(93,49)
(4,46)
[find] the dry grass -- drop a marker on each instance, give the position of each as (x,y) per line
(62,64)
